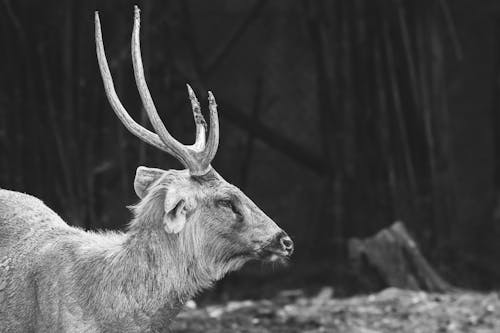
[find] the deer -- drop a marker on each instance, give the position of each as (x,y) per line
(189,228)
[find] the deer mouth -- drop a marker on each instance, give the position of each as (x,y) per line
(265,254)
(274,255)
(271,251)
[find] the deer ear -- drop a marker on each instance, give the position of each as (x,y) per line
(144,177)
(176,209)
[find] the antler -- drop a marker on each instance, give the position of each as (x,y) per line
(196,157)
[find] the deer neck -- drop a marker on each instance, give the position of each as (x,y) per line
(140,278)
(158,260)
(160,269)
(169,261)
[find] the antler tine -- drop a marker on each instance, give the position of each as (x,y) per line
(196,157)
(177,149)
(121,112)
(213,135)
(201,124)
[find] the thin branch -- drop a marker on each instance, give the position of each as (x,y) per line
(399,112)
(405,36)
(224,49)
(63,157)
(274,140)
(385,130)
(250,142)
(15,21)
(452,29)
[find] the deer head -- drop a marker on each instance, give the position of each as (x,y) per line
(208,219)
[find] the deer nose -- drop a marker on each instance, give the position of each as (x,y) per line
(286,243)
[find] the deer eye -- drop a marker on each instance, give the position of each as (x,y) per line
(230,205)
(225,203)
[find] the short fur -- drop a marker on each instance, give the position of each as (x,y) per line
(57,278)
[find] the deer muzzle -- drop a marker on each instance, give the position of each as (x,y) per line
(280,247)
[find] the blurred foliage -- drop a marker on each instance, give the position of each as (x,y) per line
(391,310)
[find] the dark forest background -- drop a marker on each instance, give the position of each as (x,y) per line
(337,117)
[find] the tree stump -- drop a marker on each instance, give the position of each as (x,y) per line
(391,258)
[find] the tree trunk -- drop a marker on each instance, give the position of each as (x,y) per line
(391,258)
